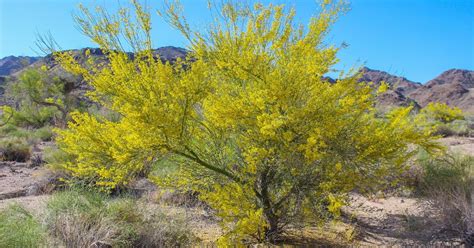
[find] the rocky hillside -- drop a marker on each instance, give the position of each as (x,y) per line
(454,87)
(399,88)
(12,64)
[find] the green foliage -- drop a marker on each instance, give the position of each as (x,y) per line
(447,171)
(18,228)
(247,117)
(14,149)
(44,133)
(447,121)
(40,99)
(55,159)
(32,116)
(32,135)
(81,218)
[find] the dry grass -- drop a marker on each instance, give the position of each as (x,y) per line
(449,185)
(14,149)
(80,218)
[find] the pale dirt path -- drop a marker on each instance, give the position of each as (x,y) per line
(35,204)
(393,221)
(463,145)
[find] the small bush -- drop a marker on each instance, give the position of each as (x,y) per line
(44,134)
(31,135)
(8,128)
(14,149)
(442,112)
(18,228)
(81,218)
(29,116)
(161,230)
(55,159)
(449,183)
(78,220)
(455,128)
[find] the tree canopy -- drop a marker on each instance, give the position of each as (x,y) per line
(247,118)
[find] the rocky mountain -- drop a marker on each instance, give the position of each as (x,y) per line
(398,90)
(12,64)
(454,87)
(399,84)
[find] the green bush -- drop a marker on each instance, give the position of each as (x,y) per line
(44,133)
(55,158)
(82,218)
(33,117)
(18,228)
(7,129)
(14,149)
(32,135)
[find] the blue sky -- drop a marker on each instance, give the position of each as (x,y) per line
(417,39)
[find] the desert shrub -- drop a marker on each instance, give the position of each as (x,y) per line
(7,128)
(84,218)
(449,183)
(55,159)
(29,116)
(161,230)
(40,99)
(77,219)
(32,135)
(442,112)
(251,123)
(444,131)
(44,133)
(20,133)
(14,149)
(454,128)
(18,228)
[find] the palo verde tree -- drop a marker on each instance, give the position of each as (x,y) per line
(441,112)
(247,118)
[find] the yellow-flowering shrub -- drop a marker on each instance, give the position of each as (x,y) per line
(248,118)
(442,112)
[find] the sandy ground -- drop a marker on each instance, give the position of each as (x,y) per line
(463,145)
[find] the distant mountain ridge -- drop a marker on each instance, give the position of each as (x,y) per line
(12,64)
(454,87)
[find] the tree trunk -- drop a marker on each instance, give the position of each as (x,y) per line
(272,232)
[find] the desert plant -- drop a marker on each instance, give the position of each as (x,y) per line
(252,124)
(85,218)
(449,184)
(7,128)
(55,159)
(18,228)
(162,230)
(75,218)
(44,133)
(454,128)
(14,149)
(442,112)
(41,99)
